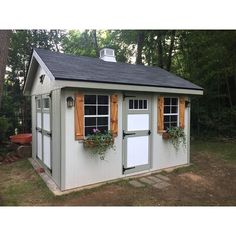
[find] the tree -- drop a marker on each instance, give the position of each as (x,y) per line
(4,46)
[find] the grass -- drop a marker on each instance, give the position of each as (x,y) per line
(223,150)
(20,185)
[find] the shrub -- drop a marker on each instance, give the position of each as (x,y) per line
(4,126)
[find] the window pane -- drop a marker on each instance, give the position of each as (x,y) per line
(103,128)
(166,126)
(102,121)
(174,109)
(90,121)
(89,130)
(90,110)
(103,110)
(102,99)
(174,101)
(131,104)
(140,104)
(90,99)
(166,101)
(46,102)
(174,124)
(38,103)
(166,118)
(167,109)
(174,118)
(144,104)
(135,104)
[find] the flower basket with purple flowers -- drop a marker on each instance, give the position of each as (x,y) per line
(99,142)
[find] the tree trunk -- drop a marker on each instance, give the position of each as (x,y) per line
(169,59)
(4,46)
(159,51)
(94,32)
(140,41)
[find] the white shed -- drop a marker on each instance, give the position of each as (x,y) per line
(72,95)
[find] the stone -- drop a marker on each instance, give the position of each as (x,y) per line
(155,179)
(147,181)
(161,185)
(163,177)
(136,183)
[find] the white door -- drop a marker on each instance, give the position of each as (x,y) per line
(136,133)
(43,104)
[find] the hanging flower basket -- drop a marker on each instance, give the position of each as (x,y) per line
(98,143)
(166,135)
(176,136)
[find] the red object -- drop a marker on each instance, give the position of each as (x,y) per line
(21,138)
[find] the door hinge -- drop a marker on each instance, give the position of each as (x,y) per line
(128,168)
(149,132)
(125,134)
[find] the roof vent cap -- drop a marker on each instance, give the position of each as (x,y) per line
(107,54)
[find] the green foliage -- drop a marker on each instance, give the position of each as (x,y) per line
(177,136)
(99,143)
(4,126)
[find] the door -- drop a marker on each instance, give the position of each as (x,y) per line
(43,129)
(136,133)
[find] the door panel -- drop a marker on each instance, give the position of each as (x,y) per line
(47,151)
(138,122)
(46,121)
(39,145)
(137,151)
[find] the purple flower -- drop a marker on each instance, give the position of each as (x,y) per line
(96,130)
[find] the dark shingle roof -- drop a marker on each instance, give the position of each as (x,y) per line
(88,69)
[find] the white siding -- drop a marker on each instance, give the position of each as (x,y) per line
(79,168)
(41,88)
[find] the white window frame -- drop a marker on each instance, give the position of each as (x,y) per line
(133,109)
(171,114)
(97,105)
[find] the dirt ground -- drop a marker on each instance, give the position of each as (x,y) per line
(210,180)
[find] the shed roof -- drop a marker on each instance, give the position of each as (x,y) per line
(88,69)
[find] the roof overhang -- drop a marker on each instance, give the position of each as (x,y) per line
(124,87)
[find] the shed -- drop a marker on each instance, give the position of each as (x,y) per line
(72,95)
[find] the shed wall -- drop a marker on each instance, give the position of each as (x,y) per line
(80,168)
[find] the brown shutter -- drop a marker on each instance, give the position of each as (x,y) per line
(181,111)
(114,115)
(160,117)
(79,116)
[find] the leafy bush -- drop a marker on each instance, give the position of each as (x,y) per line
(177,136)
(99,143)
(4,126)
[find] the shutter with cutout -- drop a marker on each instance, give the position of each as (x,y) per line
(114,115)
(79,116)
(181,111)
(160,114)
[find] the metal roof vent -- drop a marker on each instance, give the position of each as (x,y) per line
(107,54)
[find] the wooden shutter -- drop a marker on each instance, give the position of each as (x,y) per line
(181,111)
(160,117)
(79,116)
(114,115)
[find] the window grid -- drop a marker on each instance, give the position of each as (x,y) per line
(97,116)
(171,102)
(138,104)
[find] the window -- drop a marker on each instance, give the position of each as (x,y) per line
(96,113)
(138,104)
(46,103)
(38,103)
(171,112)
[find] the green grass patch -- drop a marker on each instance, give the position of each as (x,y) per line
(223,150)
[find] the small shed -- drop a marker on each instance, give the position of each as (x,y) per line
(72,95)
